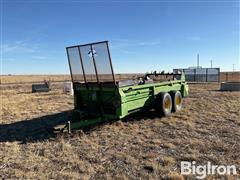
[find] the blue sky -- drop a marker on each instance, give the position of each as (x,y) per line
(144,36)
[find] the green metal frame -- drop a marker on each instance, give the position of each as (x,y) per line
(101,101)
(124,99)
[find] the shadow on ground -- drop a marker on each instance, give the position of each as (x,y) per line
(33,130)
(41,128)
(134,117)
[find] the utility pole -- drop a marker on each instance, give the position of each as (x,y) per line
(211,62)
(233,67)
(197,60)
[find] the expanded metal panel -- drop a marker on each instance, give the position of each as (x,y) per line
(213,75)
(103,62)
(88,63)
(201,74)
(75,64)
(189,74)
(91,62)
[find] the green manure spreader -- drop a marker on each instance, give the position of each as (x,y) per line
(102,96)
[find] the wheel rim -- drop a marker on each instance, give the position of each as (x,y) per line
(167,104)
(178,100)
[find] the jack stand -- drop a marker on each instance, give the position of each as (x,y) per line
(69,127)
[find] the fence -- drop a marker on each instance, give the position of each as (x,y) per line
(230,76)
(201,74)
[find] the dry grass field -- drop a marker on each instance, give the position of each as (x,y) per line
(32,78)
(140,146)
(22,79)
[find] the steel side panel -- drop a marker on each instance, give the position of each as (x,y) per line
(142,96)
(133,97)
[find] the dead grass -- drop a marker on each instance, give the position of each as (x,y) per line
(141,146)
(32,78)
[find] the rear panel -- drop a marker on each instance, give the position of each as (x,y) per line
(91,63)
(93,78)
(95,101)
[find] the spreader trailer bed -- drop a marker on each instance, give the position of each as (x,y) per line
(99,96)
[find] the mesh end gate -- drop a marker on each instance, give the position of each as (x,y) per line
(91,63)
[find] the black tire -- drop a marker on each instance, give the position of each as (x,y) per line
(176,101)
(163,104)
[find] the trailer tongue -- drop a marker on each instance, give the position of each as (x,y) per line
(100,96)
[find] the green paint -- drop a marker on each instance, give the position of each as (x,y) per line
(98,105)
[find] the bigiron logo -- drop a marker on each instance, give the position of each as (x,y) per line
(201,171)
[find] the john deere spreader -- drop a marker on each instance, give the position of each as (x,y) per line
(100,95)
